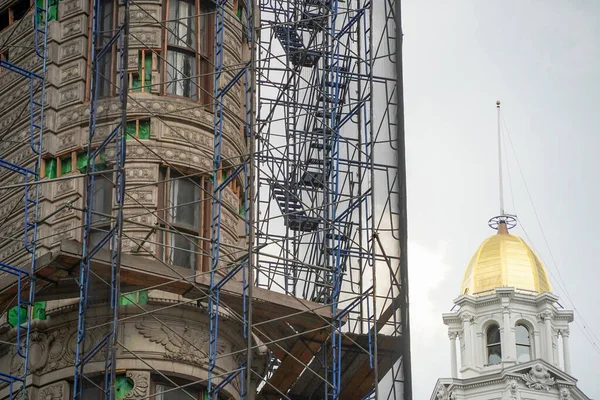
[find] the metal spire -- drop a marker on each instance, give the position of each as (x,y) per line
(501,193)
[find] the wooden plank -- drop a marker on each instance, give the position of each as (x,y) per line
(291,367)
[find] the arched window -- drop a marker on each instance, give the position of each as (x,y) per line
(523,342)
(494,350)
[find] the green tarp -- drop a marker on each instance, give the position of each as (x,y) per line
(144,131)
(140,297)
(52,10)
(50,170)
(136,85)
(123,385)
(39,312)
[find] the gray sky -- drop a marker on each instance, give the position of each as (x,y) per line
(541,59)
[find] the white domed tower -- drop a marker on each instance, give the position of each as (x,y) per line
(513,338)
(508,326)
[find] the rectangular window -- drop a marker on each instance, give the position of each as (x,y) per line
(101,209)
(105,84)
(140,129)
(188,48)
(14,13)
(182,210)
(64,164)
(141,80)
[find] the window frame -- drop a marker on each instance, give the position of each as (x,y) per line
(493,345)
(10,10)
(527,345)
(169,227)
(112,67)
(103,224)
(203,53)
(143,55)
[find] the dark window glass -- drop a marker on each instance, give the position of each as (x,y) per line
(182,24)
(183,206)
(105,62)
(523,342)
(4,19)
(494,348)
(20,9)
(165,392)
(102,204)
(181,72)
(184,203)
(183,250)
(181,49)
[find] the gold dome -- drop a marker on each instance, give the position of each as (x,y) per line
(504,260)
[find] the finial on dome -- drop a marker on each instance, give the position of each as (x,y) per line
(502,228)
(498,103)
(502,223)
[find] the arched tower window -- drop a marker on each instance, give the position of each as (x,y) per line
(523,342)
(494,350)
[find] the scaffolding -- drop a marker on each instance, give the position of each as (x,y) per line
(330,193)
(317,282)
(20,269)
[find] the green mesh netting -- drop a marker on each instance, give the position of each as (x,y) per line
(82,161)
(133,298)
(130,130)
(52,10)
(123,385)
(144,131)
(39,312)
(66,165)
(50,169)
(136,85)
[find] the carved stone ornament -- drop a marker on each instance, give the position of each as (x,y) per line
(565,394)
(512,390)
(52,392)
(444,394)
(180,343)
(466,317)
(141,382)
(538,378)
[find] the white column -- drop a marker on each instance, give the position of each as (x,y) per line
(549,345)
(506,345)
(453,369)
(566,352)
(468,339)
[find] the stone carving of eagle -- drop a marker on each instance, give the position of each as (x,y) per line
(181,342)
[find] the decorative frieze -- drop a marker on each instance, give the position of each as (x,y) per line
(148,15)
(73,27)
(141,173)
(141,197)
(145,37)
(72,49)
(66,8)
(71,94)
(71,72)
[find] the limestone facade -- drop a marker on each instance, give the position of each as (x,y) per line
(180,138)
(512,365)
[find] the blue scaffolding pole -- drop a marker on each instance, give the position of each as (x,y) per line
(25,278)
(110,240)
(218,278)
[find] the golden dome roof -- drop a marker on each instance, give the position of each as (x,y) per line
(504,260)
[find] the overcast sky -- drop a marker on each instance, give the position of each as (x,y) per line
(541,59)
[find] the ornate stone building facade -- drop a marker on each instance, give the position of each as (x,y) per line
(512,338)
(167,204)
